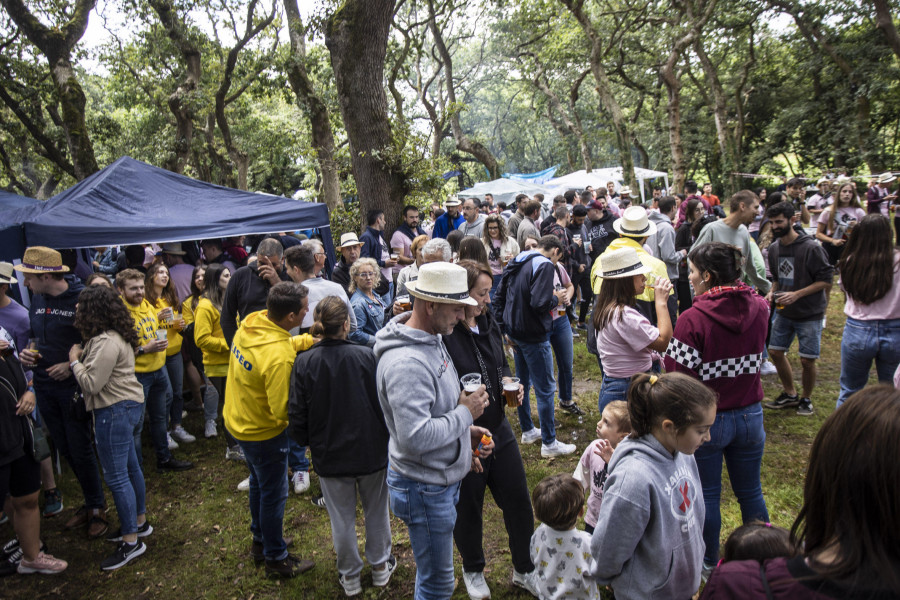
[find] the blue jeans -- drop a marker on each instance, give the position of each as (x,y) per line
(808,333)
(268,463)
(561,342)
(175,371)
(738,435)
(612,389)
(297,456)
(534,365)
(117,429)
(863,342)
(429,512)
(157,395)
(495,285)
(72,438)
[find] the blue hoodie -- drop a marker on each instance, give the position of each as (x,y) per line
(648,540)
(525,298)
(53,323)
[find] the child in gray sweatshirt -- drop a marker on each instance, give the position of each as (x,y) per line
(648,540)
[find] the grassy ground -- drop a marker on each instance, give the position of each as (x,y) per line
(201,538)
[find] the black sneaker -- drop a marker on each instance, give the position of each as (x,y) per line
(319,501)
(9,547)
(290,566)
(805,408)
(142,531)
(571,408)
(784,400)
(173,464)
(123,555)
(9,564)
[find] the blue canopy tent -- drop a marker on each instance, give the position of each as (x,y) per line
(14,210)
(131,202)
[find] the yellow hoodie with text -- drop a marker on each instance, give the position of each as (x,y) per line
(657,267)
(259,376)
(146,324)
(173,334)
(209,338)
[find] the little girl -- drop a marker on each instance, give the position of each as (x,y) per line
(626,340)
(648,540)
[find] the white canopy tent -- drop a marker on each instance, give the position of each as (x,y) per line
(598,178)
(505,190)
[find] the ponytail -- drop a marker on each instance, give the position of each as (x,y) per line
(330,315)
(673,396)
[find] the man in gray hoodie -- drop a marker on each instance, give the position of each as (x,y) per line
(474,220)
(429,420)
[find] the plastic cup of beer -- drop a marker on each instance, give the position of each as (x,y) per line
(576,238)
(33,347)
(777,297)
(471,382)
(404,302)
(651,280)
(161,334)
(511,391)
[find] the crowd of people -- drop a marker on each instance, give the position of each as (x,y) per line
(392,374)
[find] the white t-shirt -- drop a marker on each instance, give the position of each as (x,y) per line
(622,344)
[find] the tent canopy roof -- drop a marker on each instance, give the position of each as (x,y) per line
(131,202)
(505,190)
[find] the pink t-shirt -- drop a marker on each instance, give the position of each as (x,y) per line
(622,344)
(560,281)
(843,216)
(887,307)
(591,472)
(496,264)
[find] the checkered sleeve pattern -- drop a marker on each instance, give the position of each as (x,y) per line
(684,355)
(731,367)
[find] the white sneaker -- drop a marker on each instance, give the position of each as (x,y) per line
(476,585)
(300,479)
(209,431)
(532,436)
(380,577)
(352,585)
(173,445)
(184,414)
(767,368)
(557,448)
(526,582)
(182,436)
(244,486)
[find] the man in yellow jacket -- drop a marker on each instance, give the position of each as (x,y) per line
(256,398)
(149,367)
(634,227)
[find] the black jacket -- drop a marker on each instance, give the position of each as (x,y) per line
(247,293)
(53,324)
(12,427)
(525,298)
(333,408)
(341,274)
(482,352)
(600,234)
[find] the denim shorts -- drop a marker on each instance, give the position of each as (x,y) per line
(809,335)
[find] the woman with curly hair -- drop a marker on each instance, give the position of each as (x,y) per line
(368,306)
(104,369)
(160,292)
(500,247)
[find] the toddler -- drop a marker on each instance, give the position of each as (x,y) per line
(592,469)
(758,541)
(561,553)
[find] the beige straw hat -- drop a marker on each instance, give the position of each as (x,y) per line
(441,282)
(621,263)
(40,259)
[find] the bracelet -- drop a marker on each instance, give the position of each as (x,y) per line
(72,364)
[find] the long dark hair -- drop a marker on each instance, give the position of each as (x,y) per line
(723,262)
(867,264)
(472,248)
(614,295)
(168,292)
(101,309)
(195,291)
(212,291)
(850,495)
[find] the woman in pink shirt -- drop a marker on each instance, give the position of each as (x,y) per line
(870,276)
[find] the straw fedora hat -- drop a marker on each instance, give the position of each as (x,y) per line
(6,273)
(620,263)
(348,240)
(40,259)
(634,223)
(173,248)
(625,191)
(441,282)
(452,201)
(886,178)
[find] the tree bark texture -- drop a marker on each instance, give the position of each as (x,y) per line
(356,36)
(313,107)
(463,141)
(884,21)
(573,123)
(56,44)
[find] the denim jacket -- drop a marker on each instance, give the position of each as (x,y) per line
(369,315)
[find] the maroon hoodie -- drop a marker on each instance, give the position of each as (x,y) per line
(720,341)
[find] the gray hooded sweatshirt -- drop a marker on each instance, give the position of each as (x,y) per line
(648,541)
(474,229)
(418,389)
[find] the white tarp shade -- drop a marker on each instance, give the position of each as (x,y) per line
(598,178)
(505,190)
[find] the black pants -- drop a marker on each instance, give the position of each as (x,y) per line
(583,281)
(504,474)
(897,227)
(685,300)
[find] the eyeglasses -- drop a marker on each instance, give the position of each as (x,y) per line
(366,275)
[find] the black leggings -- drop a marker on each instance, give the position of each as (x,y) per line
(19,478)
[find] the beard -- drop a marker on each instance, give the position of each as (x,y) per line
(777,233)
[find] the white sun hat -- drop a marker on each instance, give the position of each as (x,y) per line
(634,223)
(620,263)
(441,282)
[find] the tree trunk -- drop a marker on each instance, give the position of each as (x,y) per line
(56,44)
(356,36)
(884,21)
(573,123)
(463,141)
(180,101)
(314,107)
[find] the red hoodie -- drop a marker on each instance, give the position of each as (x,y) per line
(720,340)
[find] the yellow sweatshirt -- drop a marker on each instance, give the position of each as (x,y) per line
(210,339)
(259,377)
(187,312)
(172,332)
(145,324)
(657,267)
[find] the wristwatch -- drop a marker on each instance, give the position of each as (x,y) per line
(141,350)
(72,364)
